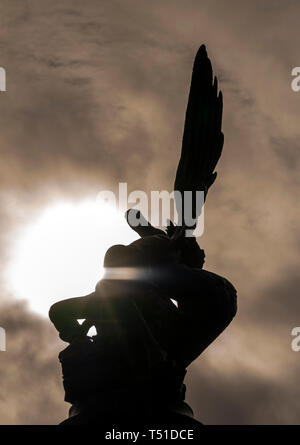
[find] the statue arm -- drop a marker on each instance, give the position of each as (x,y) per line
(177,281)
(65,313)
(206,305)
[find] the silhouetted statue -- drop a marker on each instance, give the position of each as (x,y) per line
(132,371)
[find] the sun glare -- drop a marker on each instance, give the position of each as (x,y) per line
(60,255)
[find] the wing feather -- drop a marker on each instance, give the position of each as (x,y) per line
(203,139)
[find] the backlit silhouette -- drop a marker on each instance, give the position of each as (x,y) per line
(133,370)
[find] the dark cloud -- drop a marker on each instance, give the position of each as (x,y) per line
(31,390)
(242,399)
(288,149)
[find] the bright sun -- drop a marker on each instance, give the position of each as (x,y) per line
(60,255)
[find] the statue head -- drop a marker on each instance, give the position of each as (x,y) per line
(155,248)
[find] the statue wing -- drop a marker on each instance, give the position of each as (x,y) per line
(202,138)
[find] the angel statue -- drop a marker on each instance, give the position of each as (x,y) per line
(156,309)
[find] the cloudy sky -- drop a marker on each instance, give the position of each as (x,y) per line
(96,95)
